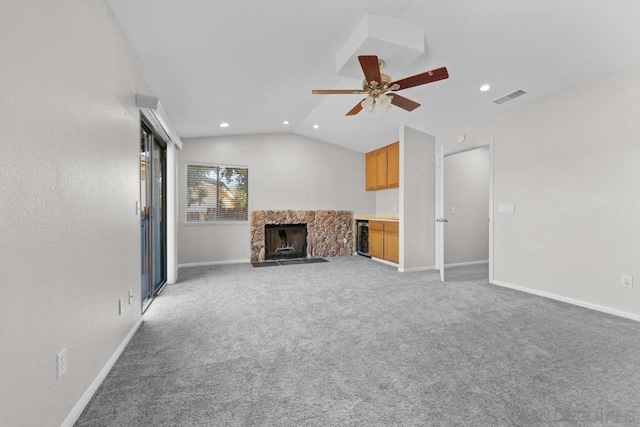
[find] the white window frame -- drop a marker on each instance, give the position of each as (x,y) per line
(218,221)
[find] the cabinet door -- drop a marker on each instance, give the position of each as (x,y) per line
(393,165)
(391,247)
(376,240)
(381,168)
(370,164)
(391,242)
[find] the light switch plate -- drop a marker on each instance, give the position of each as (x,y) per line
(506,209)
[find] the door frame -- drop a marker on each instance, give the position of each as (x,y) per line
(439,202)
(152,290)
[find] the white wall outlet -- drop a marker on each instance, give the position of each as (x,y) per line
(130,296)
(120,305)
(452,210)
(61,359)
(626,281)
(344,240)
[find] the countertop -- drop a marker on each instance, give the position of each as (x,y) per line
(376,217)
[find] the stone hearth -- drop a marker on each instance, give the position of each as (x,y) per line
(325,231)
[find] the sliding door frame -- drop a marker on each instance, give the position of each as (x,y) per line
(154,214)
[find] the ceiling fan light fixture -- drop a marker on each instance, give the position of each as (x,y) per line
(384,101)
(368,104)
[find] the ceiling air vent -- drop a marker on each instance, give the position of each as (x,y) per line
(509,97)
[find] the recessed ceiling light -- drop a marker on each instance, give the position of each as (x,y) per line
(316,126)
(286,122)
(224,125)
(484,88)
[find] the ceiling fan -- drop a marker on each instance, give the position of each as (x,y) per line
(377,86)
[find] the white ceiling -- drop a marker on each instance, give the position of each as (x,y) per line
(254,63)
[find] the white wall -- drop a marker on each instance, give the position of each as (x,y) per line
(387,201)
(70,236)
(570,164)
(286,171)
(466,190)
(417,199)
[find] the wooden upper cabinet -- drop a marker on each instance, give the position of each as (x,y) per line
(371,171)
(383,167)
(393,165)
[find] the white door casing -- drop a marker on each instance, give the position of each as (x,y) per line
(439,202)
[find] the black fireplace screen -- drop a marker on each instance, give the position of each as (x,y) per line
(285,241)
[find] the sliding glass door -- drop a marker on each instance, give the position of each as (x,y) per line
(153,213)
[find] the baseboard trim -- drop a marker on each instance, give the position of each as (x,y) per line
(208,263)
(579,303)
(414,269)
(86,397)
(460,264)
(384,261)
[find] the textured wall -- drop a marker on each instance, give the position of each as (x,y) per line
(417,199)
(70,237)
(387,201)
(286,172)
(569,163)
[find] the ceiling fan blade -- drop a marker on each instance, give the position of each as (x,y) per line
(421,79)
(402,102)
(337,92)
(370,67)
(355,110)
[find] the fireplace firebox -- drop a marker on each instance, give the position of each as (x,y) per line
(285,241)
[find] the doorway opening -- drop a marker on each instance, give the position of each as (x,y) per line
(153,213)
(464,210)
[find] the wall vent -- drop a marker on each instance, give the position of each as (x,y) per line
(509,97)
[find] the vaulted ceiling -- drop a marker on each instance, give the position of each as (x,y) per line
(253,64)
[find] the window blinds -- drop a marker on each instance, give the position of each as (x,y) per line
(217,193)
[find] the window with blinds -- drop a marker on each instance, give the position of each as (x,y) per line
(217,193)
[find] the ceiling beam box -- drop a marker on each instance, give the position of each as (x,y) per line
(392,40)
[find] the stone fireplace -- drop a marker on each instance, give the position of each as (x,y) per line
(328,233)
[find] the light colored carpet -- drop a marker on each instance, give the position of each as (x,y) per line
(353,342)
